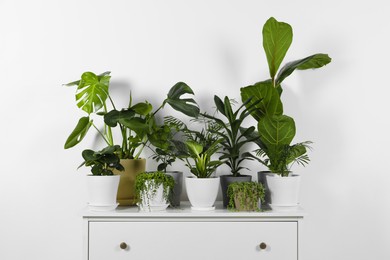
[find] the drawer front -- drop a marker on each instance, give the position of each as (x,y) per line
(193,240)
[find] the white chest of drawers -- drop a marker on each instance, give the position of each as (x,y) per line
(179,234)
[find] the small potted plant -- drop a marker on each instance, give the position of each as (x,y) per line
(245,196)
(102,183)
(276,130)
(200,146)
(154,190)
(234,136)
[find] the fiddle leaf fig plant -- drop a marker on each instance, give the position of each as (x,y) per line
(276,130)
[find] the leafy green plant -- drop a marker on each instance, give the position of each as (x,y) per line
(276,130)
(102,162)
(136,122)
(233,134)
(150,182)
(245,196)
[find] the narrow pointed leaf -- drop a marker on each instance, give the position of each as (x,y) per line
(312,62)
(79,132)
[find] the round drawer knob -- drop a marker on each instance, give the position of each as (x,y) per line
(263,245)
(123,245)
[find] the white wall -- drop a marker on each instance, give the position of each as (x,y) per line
(214,46)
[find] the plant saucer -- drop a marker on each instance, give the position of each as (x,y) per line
(102,207)
(153,208)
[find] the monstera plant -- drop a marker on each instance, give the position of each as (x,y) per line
(135,122)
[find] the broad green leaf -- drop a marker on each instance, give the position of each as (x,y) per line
(142,108)
(276,130)
(187,106)
(194,148)
(270,100)
(111,118)
(136,124)
(277,38)
(92,92)
(312,62)
(79,132)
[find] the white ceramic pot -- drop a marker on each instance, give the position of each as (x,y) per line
(153,201)
(284,191)
(202,192)
(102,191)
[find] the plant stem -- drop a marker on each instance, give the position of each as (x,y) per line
(102,135)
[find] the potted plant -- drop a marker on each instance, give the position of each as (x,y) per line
(234,137)
(199,148)
(135,123)
(154,190)
(245,196)
(165,152)
(276,130)
(102,183)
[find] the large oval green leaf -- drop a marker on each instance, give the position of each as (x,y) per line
(92,91)
(270,100)
(187,106)
(277,38)
(276,130)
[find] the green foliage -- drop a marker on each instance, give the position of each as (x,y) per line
(151,181)
(275,130)
(246,195)
(104,161)
(232,133)
(137,122)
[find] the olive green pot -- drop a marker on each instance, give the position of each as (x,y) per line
(126,190)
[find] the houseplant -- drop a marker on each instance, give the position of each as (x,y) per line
(166,149)
(245,196)
(136,123)
(234,137)
(154,190)
(102,184)
(276,130)
(197,152)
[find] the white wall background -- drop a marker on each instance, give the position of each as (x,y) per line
(214,46)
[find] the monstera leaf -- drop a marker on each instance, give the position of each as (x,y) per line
(79,132)
(187,106)
(270,100)
(312,62)
(277,38)
(276,130)
(92,91)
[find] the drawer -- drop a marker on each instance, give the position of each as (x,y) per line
(193,240)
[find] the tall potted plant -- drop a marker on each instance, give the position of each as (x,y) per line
(276,130)
(135,123)
(234,137)
(102,184)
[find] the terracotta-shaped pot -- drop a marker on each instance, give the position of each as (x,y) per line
(202,192)
(153,199)
(284,191)
(126,190)
(102,191)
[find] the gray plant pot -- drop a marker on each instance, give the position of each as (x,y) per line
(226,180)
(261,179)
(178,177)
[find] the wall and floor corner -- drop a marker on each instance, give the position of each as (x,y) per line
(215,47)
